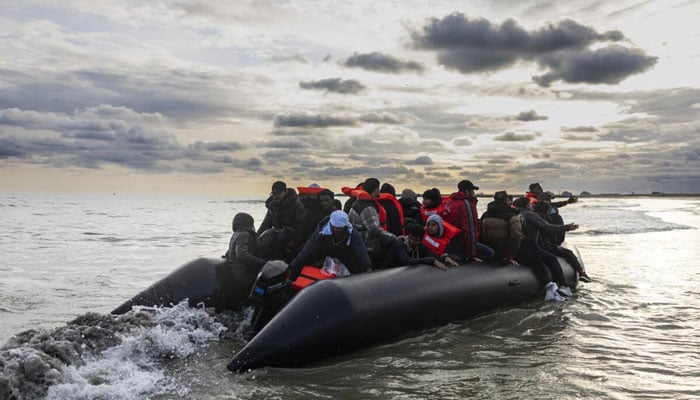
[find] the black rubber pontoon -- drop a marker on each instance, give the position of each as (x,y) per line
(336,316)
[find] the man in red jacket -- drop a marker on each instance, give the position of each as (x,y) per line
(461,212)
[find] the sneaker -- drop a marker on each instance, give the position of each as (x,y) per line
(553,295)
(583,277)
(564,291)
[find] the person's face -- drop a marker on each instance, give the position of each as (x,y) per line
(326,201)
(279,196)
(428,203)
(413,241)
(337,232)
(432,228)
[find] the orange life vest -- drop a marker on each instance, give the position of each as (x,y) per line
(439,245)
(309,191)
(362,194)
(310,274)
(425,213)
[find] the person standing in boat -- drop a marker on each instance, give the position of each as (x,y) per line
(283,226)
(243,264)
(501,228)
(531,251)
(335,238)
(364,215)
(461,212)
(410,250)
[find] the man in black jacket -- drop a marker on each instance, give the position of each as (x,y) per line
(285,216)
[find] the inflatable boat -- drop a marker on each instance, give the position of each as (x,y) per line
(335,316)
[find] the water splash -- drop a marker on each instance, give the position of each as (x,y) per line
(107,357)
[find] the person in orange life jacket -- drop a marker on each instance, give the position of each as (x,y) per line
(364,215)
(335,237)
(351,200)
(534,191)
(461,212)
(411,206)
(432,204)
(531,250)
(393,209)
(501,228)
(548,242)
(438,240)
(409,250)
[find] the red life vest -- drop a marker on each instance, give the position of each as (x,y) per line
(425,213)
(532,197)
(439,245)
(362,194)
(309,191)
(391,200)
(310,274)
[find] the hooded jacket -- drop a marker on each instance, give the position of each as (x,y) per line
(501,229)
(461,212)
(289,215)
(351,251)
(365,218)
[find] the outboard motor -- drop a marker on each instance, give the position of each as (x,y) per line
(270,293)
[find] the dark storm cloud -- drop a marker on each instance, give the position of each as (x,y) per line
(380,62)
(422,160)
(93,137)
(515,137)
(336,85)
(304,120)
(478,45)
(608,65)
(176,94)
(579,129)
(527,116)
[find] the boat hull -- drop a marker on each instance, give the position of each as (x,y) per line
(337,316)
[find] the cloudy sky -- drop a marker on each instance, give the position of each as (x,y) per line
(215,97)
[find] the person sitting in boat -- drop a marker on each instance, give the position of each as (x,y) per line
(283,224)
(536,193)
(441,239)
(392,208)
(243,264)
(364,215)
(531,251)
(335,238)
(411,206)
(432,204)
(410,250)
(553,215)
(501,228)
(461,212)
(548,241)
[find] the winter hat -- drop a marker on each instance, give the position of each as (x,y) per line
(408,193)
(437,219)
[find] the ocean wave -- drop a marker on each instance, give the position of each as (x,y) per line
(100,356)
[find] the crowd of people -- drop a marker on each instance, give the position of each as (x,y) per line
(375,229)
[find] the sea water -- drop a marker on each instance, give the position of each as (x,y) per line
(66,261)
